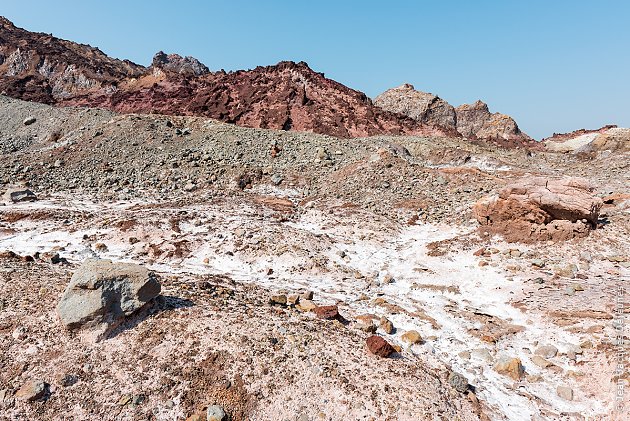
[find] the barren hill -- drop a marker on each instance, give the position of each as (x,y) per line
(287,96)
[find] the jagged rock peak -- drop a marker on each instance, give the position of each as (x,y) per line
(476,121)
(421,106)
(6,22)
(178,64)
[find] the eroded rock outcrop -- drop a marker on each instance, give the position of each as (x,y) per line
(540,208)
(420,106)
(477,122)
(39,67)
(608,138)
(473,121)
(102,293)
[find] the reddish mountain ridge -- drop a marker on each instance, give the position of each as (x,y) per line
(290,96)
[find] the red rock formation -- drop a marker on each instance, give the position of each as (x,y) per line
(39,67)
(289,96)
(539,208)
(379,346)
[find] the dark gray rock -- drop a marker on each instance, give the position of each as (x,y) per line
(21,195)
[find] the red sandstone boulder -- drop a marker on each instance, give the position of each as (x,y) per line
(540,208)
(379,346)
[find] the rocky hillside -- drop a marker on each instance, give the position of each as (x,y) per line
(302,276)
(473,121)
(288,96)
(39,67)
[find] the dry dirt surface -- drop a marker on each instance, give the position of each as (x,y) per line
(233,219)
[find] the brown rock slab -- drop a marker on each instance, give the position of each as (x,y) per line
(540,361)
(540,209)
(327,312)
(565,392)
(306,305)
(386,325)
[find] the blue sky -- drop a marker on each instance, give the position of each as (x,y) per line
(553,65)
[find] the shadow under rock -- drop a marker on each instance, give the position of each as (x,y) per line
(160,304)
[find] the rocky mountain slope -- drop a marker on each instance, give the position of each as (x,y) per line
(287,96)
(473,121)
(39,67)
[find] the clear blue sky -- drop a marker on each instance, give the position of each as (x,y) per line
(554,65)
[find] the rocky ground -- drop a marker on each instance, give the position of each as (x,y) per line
(230,217)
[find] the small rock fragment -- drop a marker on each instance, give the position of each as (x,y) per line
(540,361)
(411,337)
(29,120)
(565,392)
(215,413)
(293,299)
(21,195)
(546,351)
(326,312)
(386,325)
(305,305)
(306,295)
(510,367)
(280,299)
(31,391)
(459,382)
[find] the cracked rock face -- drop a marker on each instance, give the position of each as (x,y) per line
(539,209)
(101,292)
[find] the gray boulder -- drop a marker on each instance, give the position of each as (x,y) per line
(20,195)
(102,293)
